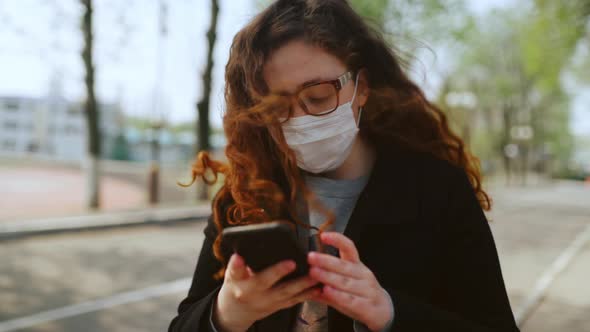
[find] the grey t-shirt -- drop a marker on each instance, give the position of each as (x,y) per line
(340,196)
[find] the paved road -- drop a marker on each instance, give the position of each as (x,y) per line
(532,227)
(48,272)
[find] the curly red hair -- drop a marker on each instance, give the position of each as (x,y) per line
(261,177)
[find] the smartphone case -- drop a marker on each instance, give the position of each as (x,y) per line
(262,245)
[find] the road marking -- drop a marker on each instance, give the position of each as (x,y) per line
(536,297)
(172,287)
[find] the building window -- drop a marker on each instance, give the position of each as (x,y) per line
(70,129)
(73,110)
(11,105)
(10,125)
(33,147)
(9,145)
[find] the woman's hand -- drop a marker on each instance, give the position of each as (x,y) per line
(246,297)
(349,286)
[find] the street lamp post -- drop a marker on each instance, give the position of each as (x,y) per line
(522,135)
(154,171)
(157,115)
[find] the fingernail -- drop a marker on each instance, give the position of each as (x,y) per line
(288,265)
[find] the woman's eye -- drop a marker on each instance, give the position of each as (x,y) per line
(318,100)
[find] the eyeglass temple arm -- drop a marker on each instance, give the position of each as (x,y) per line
(345,78)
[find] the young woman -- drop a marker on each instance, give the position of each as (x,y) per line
(326,130)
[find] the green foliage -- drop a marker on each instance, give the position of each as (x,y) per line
(430,20)
(374,11)
(141,123)
(550,37)
(121,148)
(188,126)
(513,61)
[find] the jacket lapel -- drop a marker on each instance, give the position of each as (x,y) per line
(389,197)
(376,195)
(366,208)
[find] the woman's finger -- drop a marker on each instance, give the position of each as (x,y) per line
(308,294)
(335,264)
(286,290)
(250,272)
(266,278)
(344,244)
(237,267)
(351,285)
(343,301)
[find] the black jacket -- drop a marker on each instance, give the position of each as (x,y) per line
(420,229)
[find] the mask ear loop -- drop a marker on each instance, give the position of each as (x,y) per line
(358,120)
(356,81)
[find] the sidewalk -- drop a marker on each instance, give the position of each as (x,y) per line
(32,190)
(102,220)
(541,233)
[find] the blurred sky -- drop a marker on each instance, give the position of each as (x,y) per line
(40,42)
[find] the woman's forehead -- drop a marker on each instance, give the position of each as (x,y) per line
(298,63)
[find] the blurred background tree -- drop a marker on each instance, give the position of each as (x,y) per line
(203,127)
(515,71)
(90,109)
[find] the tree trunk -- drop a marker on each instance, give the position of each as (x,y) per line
(91,168)
(203,127)
(91,110)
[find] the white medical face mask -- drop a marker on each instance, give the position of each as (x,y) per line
(322,143)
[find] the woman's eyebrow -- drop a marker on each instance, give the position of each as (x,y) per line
(315,80)
(308,82)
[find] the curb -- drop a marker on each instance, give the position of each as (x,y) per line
(150,216)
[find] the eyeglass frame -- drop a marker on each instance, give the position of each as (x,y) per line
(338,83)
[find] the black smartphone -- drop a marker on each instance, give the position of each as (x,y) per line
(262,245)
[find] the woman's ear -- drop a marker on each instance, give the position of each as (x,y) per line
(363,87)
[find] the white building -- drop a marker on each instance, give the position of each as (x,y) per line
(52,127)
(18,127)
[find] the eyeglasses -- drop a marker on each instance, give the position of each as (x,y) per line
(318,98)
